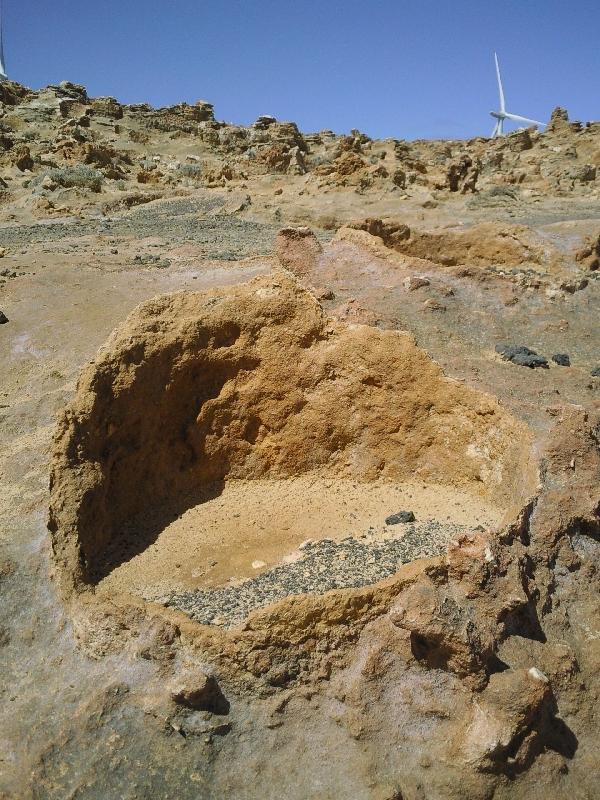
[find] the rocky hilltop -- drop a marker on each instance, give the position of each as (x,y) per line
(61,144)
(300,458)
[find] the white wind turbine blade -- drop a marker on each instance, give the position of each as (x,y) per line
(2,62)
(500,89)
(495,131)
(517,118)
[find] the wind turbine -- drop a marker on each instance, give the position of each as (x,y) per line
(503,114)
(3,75)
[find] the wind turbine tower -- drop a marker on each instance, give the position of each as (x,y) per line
(3,75)
(503,114)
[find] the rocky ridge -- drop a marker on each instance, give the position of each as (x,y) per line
(85,145)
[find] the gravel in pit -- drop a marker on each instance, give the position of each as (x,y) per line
(321,567)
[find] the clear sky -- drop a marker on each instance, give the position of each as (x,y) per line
(401,68)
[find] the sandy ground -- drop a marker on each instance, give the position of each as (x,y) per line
(254,525)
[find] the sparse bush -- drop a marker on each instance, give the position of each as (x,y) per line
(191,170)
(80,176)
(503,191)
(399,178)
(139,137)
(320,160)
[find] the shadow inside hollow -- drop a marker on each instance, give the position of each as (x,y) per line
(142,531)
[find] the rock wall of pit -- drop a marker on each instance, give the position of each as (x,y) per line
(254,381)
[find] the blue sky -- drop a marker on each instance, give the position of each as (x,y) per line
(414,69)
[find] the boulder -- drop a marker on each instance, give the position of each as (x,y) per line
(415,282)
(506,722)
(559,121)
(264,121)
(521,356)
(589,254)
(195,689)
(21,158)
(298,250)
(107,107)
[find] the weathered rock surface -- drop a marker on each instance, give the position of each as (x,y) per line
(469,674)
(455,628)
(481,245)
(298,250)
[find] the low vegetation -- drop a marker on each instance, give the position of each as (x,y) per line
(80,176)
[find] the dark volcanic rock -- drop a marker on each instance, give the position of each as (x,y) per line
(521,355)
(401,516)
(3,318)
(562,359)
(596,372)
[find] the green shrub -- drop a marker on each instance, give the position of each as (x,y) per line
(80,176)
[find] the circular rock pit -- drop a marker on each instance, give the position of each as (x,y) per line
(230,448)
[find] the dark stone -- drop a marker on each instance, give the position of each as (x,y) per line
(509,351)
(595,373)
(533,361)
(521,356)
(401,516)
(562,359)
(3,318)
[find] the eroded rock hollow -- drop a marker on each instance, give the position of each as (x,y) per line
(252,382)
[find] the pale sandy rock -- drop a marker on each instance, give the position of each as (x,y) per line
(433,305)
(481,245)
(505,720)
(482,681)
(195,689)
(589,254)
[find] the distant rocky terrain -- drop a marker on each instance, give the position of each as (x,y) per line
(300,464)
